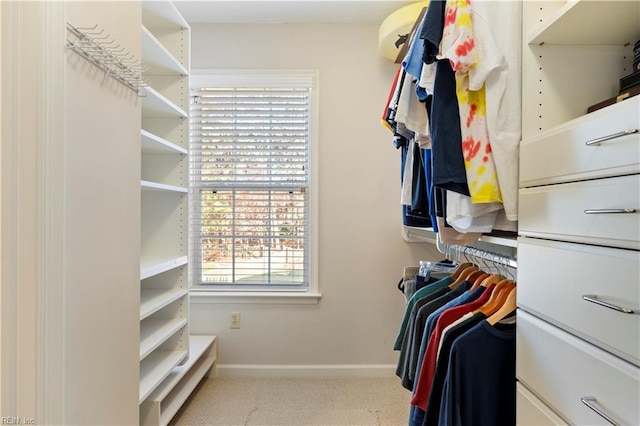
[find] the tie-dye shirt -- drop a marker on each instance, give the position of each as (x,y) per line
(464,51)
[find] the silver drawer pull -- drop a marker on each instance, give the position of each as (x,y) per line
(609,211)
(609,137)
(589,402)
(594,299)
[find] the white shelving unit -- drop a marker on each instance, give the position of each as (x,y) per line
(573,55)
(171,362)
(164,308)
(160,407)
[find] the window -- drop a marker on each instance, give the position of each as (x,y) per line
(251,182)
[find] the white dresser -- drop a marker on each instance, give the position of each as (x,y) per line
(578,342)
(578,345)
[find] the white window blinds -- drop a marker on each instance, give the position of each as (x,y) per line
(250,181)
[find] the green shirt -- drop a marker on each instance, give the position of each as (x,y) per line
(424,291)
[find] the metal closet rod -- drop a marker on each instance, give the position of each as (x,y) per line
(479,253)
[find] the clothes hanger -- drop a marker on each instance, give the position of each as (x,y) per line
(497,299)
(492,279)
(461,267)
(509,305)
(479,280)
(463,276)
(473,276)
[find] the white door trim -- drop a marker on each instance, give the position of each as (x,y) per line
(31,211)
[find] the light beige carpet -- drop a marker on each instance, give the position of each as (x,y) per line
(296,402)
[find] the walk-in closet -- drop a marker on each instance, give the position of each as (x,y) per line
(314,212)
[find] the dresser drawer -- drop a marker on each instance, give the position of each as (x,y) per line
(563,370)
(562,154)
(578,212)
(553,277)
(530,411)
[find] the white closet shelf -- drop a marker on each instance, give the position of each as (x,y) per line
(153,333)
(162,14)
(154,265)
(152,300)
(168,397)
(152,144)
(567,24)
(198,344)
(501,241)
(161,187)
(159,60)
(155,105)
(155,368)
(415,234)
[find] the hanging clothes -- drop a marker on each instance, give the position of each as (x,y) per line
(444,326)
(432,340)
(470,72)
(448,375)
(480,387)
(468,44)
(504,99)
(426,291)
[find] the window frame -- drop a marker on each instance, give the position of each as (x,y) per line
(202,293)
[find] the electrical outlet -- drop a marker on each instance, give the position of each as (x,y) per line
(235,319)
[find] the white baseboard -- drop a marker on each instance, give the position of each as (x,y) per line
(307,371)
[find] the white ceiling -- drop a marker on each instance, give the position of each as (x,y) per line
(288,11)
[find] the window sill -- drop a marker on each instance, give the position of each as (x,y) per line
(239,297)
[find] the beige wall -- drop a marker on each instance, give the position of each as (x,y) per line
(102,228)
(70,220)
(361,252)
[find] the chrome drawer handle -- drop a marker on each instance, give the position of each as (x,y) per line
(613,136)
(589,402)
(594,299)
(609,211)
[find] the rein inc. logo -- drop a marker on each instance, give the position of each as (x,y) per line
(17,421)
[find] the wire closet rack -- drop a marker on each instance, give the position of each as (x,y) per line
(99,48)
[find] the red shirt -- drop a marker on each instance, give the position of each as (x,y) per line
(424,381)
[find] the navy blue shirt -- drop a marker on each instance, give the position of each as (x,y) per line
(480,388)
(410,216)
(440,373)
(446,139)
